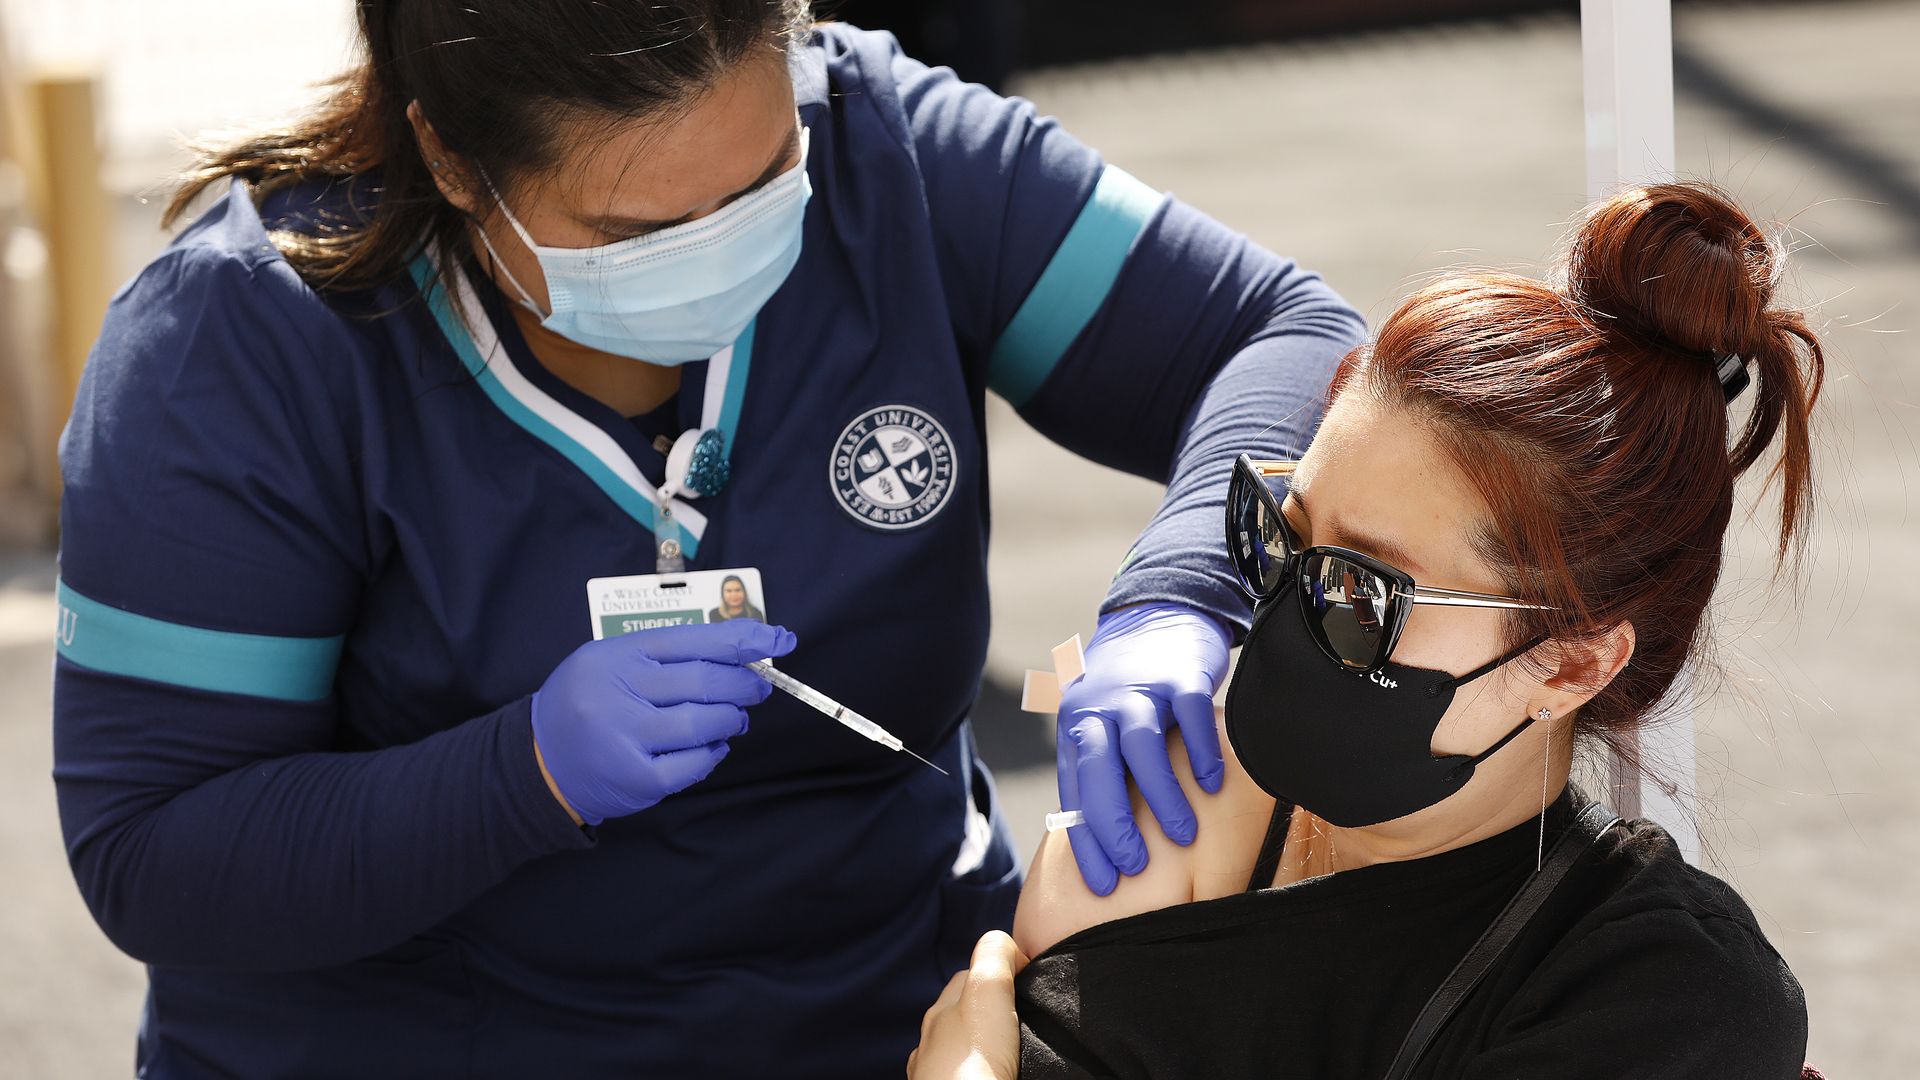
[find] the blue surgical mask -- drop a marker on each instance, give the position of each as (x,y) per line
(681,294)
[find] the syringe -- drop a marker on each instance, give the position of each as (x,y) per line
(852,720)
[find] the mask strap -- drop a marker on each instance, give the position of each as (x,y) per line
(518,229)
(1495,748)
(1523,725)
(1462,680)
(526,298)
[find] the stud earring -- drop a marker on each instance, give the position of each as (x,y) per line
(1543,714)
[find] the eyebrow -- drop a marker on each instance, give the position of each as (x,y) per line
(1379,547)
(640,225)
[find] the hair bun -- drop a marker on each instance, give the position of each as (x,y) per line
(1678,263)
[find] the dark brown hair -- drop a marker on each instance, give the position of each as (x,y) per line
(1588,415)
(498,80)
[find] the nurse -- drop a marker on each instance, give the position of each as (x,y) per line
(548,294)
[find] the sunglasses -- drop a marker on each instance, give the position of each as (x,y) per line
(1355,606)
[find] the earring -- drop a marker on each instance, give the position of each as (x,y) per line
(1546,758)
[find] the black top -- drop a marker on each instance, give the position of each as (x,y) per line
(1638,965)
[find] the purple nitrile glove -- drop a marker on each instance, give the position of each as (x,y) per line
(1147,665)
(625,722)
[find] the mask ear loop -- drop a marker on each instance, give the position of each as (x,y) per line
(1461,680)
(526,298)
(1483,755)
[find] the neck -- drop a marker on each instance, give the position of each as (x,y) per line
(1506,798)
(630,387)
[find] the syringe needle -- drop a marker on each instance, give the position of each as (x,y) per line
(849,719)
(927,763)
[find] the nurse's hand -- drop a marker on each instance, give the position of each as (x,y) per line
(1148,666)
(972,1032)
(628,721)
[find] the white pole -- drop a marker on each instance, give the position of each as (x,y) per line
(1626,49)
(1626,52)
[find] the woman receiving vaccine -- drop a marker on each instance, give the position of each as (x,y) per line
(1500,549)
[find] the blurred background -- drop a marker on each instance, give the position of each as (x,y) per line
(1377,141)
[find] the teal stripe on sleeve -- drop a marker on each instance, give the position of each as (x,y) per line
(118,642)
(1072,287)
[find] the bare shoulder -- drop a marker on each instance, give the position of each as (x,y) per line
(1056,903)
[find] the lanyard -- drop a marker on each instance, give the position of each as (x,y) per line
(670,516)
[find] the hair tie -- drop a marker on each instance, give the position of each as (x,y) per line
(1732,372)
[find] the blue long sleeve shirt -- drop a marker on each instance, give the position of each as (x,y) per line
(319,550)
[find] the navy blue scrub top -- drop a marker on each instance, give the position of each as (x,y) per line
(320,550)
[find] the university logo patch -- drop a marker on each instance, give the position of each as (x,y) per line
(893,467)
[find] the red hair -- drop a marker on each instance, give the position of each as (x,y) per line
(1588,415)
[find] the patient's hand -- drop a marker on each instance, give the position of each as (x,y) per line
(971,1033)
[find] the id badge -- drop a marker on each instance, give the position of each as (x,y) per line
(624,605)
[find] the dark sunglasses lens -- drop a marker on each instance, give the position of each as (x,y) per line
(1347,608)
(1254,536)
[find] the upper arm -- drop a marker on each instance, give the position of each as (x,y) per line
(210,552)
(1056,903)
(1099,307)
(206,461)
(1006,188)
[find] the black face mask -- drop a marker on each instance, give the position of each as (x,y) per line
(1354,750)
